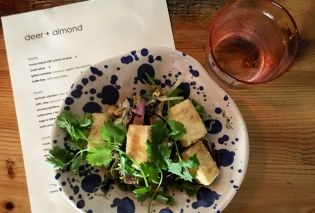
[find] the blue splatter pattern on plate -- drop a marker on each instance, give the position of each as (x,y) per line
(111,81)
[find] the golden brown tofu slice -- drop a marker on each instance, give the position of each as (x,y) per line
(136,146)
(186,113)
(98,121)
(208,169)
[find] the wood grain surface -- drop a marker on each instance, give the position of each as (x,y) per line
(280,115)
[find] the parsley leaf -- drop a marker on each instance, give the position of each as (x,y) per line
(113,133)
(86,120)
(166,199)
(67,117)
(76,162)
(143,193)
(189,188)
(158,132)
(159,154)
(181,167)
(125,165)
(199,108)
(75,127)
(77,145)
(99,156)
(177,129)
(175,93)
(151,171)
(192,162)
(150,79)
(59,157)
(165,151)
(175,168)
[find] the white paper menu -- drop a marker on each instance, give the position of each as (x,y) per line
(46,51)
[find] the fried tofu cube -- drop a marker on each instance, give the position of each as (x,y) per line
(186,113)
(136,145)
(208,169)
(98,120)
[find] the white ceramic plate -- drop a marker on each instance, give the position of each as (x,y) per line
(114,79)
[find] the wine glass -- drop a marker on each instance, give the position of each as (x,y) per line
(251,42)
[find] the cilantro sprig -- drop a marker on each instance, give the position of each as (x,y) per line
(181,167)
(76,127)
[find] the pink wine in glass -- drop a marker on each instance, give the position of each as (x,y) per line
(250,42)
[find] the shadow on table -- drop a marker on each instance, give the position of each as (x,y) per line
(257,157)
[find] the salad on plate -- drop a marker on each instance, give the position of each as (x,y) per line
(145,144)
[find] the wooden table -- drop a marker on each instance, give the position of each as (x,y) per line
(280,116)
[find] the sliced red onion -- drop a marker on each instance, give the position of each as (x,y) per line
(139,112)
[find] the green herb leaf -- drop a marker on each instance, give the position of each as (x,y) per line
(165,151)
(76,163)
(113,133)
(143,193)
(189,188)
(66,117)
(100,156)
(77,145)
(158,132)
(177,169)
(59,157)
(181,168)
(199,108)
(166,199)
(177,129)
(151,171)
(175,93)
(159,154)
(86,120)
(150,80)
(192,162)
(125,165)
(75,127)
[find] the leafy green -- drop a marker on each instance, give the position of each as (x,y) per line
(177,130)
(181,167)
(192,162)
(77,145)
(180,170)
(166,199)
(76,127)
(150,80)
(113,133)
(156,149)
(199,108)
(59,157)
(158,132)
(125,165)
(175,92)
(99,156)
(159,154)
(151,171)
(102,153)
(143,193)
(77,162)
(189,188)
(86,120)
(66,117)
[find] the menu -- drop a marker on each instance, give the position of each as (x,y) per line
(47,49)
